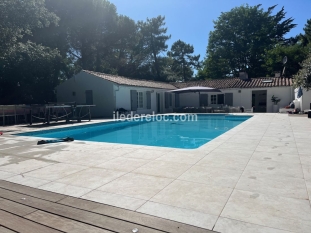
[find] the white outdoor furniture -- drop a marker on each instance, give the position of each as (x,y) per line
(248,110)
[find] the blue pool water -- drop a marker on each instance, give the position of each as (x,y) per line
(174,132)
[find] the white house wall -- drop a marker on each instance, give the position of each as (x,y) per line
(305,99)
(102,93)
(244,97)
(122,96)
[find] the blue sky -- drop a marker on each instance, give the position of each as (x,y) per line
(192,20)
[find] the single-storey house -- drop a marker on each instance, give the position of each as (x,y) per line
(112,92)
(256,93)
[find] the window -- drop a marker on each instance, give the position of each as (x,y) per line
(89,97)
(213,99)
(140,100)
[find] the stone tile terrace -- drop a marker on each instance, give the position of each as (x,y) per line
(254,178)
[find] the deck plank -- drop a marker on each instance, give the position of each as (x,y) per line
(46,195)
(22,225)
(131,216)
(94,219)
(15,208)
(67,209)
(63,224)
(5,230)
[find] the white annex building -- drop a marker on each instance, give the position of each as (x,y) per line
(111,92)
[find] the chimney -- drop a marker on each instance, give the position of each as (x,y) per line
(243,75)
(277,74)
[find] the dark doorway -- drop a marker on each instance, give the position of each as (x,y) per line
(259,101)
(229,99)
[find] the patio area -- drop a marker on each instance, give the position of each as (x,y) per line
(25,209)
(255,178)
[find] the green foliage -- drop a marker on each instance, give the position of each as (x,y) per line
(307,30)
(87,28)
(96,38)
(214,67)
(275,100)
(19,18)
(35,68)
(152,43)
(183,60)
(125,59)
(240,39)
(30,74)
(303,77)
(273,59)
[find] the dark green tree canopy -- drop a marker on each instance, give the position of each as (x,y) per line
(240,38)
(28,71)
(43,42)
(30,75)
(183,59)
(307,30)
(88,30)
(19,18)
(153,43)
(273,59)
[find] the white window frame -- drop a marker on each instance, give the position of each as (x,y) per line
(213,99)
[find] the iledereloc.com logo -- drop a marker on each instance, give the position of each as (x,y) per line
(154,117)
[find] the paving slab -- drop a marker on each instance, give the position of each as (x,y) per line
(254,178)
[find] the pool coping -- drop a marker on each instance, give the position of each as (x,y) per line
(111,121)
(264,127)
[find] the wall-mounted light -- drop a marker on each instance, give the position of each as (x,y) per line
(239,91)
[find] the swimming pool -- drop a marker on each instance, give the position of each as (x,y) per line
(173,132)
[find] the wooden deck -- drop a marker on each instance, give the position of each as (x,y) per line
(29,210)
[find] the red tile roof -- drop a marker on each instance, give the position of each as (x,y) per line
(132,82)
(238,83)
(215,83)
